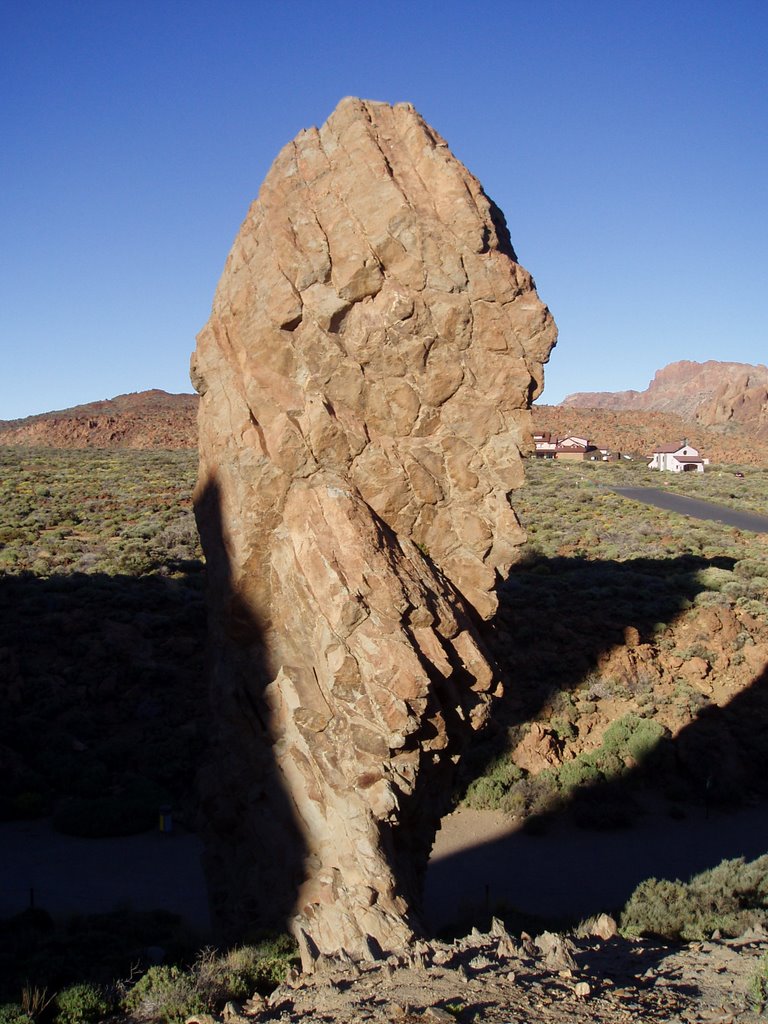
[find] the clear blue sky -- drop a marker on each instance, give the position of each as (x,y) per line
(625,141)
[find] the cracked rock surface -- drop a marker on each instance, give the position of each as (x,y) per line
(365,378)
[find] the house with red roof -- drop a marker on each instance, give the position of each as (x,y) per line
(678,458)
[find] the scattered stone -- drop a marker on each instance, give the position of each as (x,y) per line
(233,1013)
(507,948)
(255,1005)
(417,961)
(293,978)
(582,989)
(555,950)
(604,927)
(438,1015)
(308,951)
(479,963)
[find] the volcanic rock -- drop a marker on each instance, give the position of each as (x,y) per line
(366,376)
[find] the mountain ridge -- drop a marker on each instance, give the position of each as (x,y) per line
(139,419)
(712,393)
(158,419)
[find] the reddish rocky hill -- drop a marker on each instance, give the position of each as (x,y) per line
(156,419)
(712,394)
(637,433)
(145,419)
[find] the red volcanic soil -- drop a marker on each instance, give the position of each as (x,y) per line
(145,419)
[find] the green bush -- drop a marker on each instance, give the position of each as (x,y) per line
(127,813)
(81,1004)
(730,898)
(634,736)
(490,790)
(166,994)
(12,1013)
(758,985)
(238,973)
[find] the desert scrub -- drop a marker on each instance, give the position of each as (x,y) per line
(239,972)
(729,898)
(758,985)
(12,1013)
(67,510)
(165,994)
(170,994)
(489,791)
(626,743)
(81,1004)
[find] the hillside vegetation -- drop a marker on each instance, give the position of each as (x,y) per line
(616,613)
(633,642)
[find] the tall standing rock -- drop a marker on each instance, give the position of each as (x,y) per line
(366,376)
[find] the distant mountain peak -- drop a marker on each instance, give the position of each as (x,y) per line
(712,393)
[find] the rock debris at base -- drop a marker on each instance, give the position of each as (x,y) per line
(498,979)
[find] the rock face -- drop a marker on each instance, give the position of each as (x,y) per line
(366,376)
(710,393)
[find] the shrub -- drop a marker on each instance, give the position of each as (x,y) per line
(730,897)
(12,1013)
(239,972)
(758,985)
(166,994)
(81,1004)
(127,813)
(104,816)
(632,735)
(582,771)
(489,791)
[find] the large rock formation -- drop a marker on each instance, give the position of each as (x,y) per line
(712,394)
(366,376)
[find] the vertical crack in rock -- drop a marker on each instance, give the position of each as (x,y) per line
(366,376)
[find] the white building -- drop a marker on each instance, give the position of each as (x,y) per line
(681,458)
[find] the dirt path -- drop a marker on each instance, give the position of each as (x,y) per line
(480,862)
(69,875)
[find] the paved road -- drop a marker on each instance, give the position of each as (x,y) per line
(695,507)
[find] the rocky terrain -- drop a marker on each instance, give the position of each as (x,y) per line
(712,394)
(552,979)
(147,419)
(365,380)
